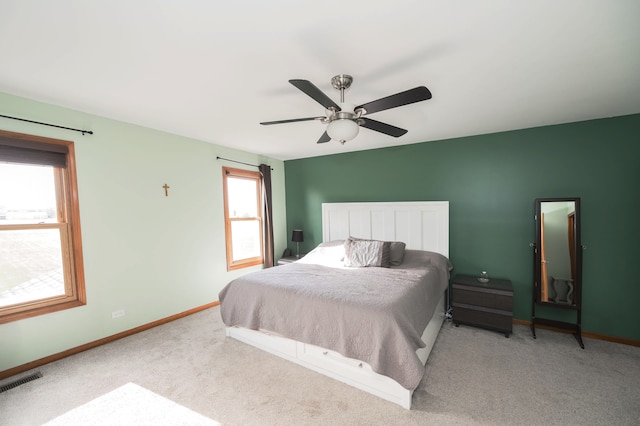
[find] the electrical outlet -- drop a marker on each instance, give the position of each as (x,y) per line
(117,314)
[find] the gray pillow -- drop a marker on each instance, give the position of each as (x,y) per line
(362,253)
(396,253)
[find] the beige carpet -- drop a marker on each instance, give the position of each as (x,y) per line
(473,377)
(131,404)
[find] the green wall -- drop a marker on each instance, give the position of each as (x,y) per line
(151,255)
(491,182)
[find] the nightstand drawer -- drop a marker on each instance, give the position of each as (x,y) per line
(496,299)
(483,318)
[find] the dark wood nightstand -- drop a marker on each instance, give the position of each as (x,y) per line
(289,259)
(488,305)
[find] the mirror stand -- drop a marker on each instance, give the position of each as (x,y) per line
(576,328)
(557,262)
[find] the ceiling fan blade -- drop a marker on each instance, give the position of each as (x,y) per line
(378,126)
(324,138)
(399,99)
(293,120)
(318,95)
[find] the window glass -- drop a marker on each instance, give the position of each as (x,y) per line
(242,197)
(27,195)
(245,239)
(30,259)
(30,265)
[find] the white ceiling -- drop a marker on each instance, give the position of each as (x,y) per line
(212,70)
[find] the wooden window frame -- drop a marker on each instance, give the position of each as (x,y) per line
(242,174)
(68,213)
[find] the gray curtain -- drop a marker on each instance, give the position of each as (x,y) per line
(267,215)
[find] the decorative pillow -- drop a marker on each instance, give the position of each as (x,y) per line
(386,251)
(362,253)
(396,252)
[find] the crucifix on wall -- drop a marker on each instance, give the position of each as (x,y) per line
(166,190)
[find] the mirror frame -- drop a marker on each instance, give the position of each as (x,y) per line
(577,279)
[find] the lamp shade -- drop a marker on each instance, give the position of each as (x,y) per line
(343,130)
(296,236)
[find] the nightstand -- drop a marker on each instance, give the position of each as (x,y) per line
(288,259)
(488,305)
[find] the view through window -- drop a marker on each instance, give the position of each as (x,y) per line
(243,218)
(31,264)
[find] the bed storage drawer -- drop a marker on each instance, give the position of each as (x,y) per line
(321,357)
(353,372)
(277,345)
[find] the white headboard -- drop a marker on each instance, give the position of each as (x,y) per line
(421,225)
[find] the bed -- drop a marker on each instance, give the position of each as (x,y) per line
(370,327)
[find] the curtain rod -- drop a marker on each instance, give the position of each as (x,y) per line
(240,162)
(47,124)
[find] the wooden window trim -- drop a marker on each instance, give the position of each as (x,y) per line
(68,211)
(242,174)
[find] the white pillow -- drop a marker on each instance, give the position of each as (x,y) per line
(330,253)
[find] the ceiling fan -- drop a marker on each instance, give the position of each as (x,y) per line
(344,120)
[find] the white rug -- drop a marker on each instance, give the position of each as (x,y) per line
(131,405)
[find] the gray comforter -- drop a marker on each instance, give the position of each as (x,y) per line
(376,315)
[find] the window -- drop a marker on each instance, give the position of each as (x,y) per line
(41,267)
(243,217)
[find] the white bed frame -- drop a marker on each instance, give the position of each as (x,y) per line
(422,226)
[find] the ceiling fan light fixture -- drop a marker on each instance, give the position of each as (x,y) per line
(343,130)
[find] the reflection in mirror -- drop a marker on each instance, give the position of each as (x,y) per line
(557,250)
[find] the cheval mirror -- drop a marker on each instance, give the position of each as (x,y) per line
(557,262)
